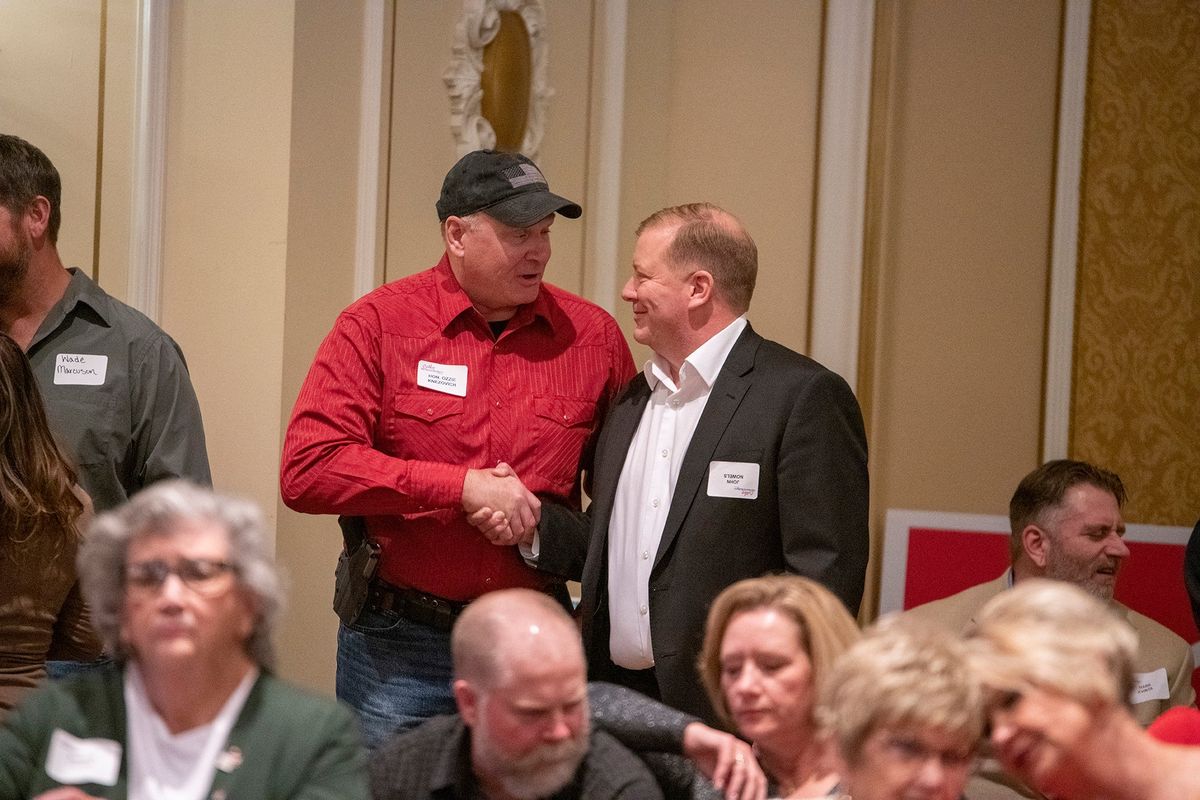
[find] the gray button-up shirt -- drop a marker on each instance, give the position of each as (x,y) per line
(118,395)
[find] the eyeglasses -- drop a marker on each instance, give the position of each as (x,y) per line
(203,576)
(911,751)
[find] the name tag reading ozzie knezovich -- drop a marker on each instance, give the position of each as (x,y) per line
(737,479)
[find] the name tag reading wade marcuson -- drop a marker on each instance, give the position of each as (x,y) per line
(738,479)
(77,369)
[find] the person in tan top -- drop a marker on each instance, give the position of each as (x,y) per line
(1067,525)
(42,511)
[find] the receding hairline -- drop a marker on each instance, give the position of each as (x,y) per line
(676,217)
(493,632)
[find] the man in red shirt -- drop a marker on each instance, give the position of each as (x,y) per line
(421,388)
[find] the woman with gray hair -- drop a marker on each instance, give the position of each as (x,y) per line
(184,595)
(902,713)
(1058,668)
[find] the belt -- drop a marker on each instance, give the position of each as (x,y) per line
(420,607)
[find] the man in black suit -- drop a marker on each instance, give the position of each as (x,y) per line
(730,456)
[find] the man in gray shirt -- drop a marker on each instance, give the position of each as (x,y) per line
(115,385)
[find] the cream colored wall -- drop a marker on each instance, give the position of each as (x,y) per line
(116,166)
(962,193)
(423,147)
(318,285)
(226,194)
(52,101)
(721,106)
(225,245)
(226,191)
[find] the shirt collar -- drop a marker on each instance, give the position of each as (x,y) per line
(453,302)
(705,361)
(81,290)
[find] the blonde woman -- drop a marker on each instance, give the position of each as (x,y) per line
(768,643)
(1058,667)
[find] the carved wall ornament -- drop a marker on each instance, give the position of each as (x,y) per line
(497,77)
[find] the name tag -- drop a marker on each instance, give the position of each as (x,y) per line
(447,378)
(733,479)
(1149,686)
(72,760)
(74,369)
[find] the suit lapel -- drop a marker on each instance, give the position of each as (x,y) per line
(616,438)
(733,381)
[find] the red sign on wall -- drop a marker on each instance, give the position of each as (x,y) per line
(928,555)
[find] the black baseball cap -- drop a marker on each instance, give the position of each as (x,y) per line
(506,186)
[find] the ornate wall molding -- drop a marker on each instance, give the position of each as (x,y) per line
(149,158)
(371,147)
(1064,248)
(842,186)
(603,218)
(478,26)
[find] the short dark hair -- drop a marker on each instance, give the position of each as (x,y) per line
(714,240)
(26,173)
(1045,487)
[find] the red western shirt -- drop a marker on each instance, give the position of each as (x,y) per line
(366,439)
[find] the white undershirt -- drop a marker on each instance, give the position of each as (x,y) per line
(166,766)
(646,486)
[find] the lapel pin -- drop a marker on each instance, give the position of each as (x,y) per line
(230,760)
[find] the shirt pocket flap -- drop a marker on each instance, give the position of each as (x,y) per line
(565,411)
(428,406)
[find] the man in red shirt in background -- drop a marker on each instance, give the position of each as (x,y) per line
(422,387)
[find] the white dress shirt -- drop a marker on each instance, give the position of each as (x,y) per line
(646,486)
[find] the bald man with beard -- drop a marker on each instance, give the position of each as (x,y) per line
(522,730)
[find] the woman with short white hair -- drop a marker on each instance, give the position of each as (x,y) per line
(902,713)
(1058,667)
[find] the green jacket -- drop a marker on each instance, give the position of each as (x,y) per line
(292,745)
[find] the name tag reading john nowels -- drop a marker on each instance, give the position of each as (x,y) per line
(733,479)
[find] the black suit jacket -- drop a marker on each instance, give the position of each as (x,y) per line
(769,405)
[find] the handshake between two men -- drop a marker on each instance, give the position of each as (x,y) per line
(500,506)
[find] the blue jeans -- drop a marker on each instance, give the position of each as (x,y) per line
(59,670)
(394,672)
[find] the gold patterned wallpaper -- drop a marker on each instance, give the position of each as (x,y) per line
(1136,385)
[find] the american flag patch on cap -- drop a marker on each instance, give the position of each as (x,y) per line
(523,175)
